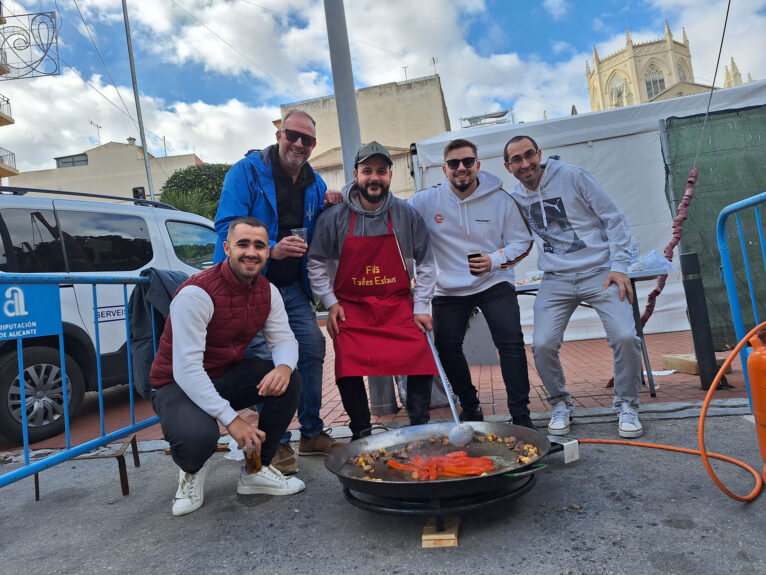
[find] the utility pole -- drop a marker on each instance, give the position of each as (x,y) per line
(138,103)
(405,72)
(434,61)
(343,82)
(98,130)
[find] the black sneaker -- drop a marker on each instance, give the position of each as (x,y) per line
(472,414)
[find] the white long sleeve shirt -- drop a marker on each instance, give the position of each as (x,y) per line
(191,310)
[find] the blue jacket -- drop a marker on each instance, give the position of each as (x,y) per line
(248,190)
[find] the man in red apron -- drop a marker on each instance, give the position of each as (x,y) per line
(360,267)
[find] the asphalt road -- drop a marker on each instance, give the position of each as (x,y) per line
(620,510)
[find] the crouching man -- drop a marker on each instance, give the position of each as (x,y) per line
(200,376)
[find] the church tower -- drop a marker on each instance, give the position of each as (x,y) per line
(644,72)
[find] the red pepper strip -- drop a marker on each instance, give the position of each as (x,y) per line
(402,466)
(463,470)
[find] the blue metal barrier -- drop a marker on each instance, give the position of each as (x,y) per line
(754,276)
(70,452)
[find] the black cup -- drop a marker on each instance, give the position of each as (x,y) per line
(472,255)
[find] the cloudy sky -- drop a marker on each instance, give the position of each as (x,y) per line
(212,73)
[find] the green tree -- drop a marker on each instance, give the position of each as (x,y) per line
(196,189)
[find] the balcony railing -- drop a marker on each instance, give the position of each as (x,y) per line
(5,106)
(8,158)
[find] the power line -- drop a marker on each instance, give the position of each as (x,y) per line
(214,33)
(100,57)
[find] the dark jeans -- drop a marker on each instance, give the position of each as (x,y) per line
(354,398)
(501,310)
(193,434)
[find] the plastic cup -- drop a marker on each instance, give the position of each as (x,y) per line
(300,232)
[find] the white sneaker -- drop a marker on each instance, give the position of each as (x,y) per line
(630,426)
(560,418)
(190,493)
(268,481)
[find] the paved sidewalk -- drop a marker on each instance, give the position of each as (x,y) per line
(587,363)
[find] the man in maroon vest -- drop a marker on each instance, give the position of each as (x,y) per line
(200,376)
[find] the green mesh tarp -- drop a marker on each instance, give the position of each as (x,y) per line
(732,166)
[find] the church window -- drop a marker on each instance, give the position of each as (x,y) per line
(681,73)
(655,81)
(619,93)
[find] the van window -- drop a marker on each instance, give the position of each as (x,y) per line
(193,244)
(29,242)
(104,242)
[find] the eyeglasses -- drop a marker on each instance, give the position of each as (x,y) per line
(455,164)
(528,155)
(292,136)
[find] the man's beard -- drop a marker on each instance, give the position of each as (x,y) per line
(374,200)
(462,187)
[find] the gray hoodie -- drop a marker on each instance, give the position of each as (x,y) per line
(331,230)
(576,225)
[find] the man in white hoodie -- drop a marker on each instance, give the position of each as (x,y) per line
(583,249)
(470,212)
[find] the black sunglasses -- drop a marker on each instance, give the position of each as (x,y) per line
(455,164)
(292,136)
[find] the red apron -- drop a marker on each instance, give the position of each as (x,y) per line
(379,336)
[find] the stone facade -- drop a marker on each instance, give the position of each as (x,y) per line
(646,72)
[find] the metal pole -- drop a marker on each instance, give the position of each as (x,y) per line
(343,82)
(138,103)
(698,319)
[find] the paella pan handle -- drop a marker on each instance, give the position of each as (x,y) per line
(528,471)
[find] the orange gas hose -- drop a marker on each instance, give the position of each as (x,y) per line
(702,452)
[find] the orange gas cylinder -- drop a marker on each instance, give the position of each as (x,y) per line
(756,371)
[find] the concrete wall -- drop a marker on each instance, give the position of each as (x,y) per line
(113,169)
(395,114)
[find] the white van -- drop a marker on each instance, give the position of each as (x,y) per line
(98,236)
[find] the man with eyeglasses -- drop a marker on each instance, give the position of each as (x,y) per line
(582,243)
(278,186)
(469,213)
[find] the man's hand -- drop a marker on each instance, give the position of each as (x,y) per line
(248,437)
(336,314)
(275,382)
(289,247)
(424,321)
(622,281)
(480,265)
(332,197)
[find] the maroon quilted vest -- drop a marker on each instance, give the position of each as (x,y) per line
(240,311)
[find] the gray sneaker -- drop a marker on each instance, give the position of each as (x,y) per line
(630,427)
(560,418)
(268,481)
(191,491)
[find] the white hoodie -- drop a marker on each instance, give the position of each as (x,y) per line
(576,225)
(487,221)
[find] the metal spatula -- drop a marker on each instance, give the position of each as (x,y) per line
(462,434)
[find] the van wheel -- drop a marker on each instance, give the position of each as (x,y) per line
(43,390)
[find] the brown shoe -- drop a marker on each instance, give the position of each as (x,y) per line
(284,460)
(321,444)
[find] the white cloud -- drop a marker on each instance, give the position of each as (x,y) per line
(556,8)
(703,20)
(286,59)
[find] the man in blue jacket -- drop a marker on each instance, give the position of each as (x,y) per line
(278,186)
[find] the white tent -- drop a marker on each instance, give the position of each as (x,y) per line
(622,149)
